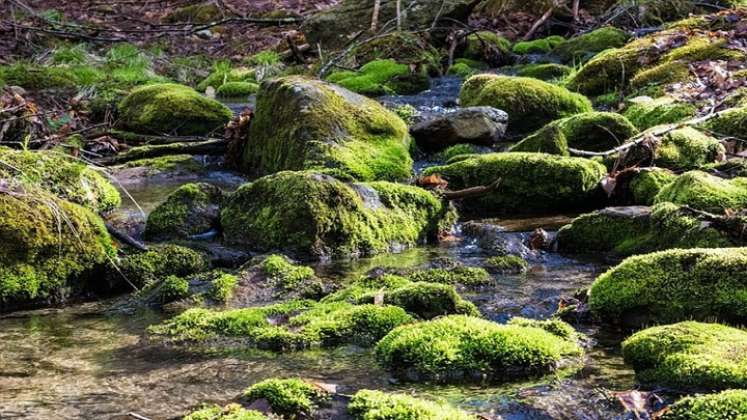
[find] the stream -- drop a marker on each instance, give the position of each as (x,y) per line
(85,362)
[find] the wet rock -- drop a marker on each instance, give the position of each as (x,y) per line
(159,262)
(191,210)
(497,239)
(722,405)
(290,398)
(480,125)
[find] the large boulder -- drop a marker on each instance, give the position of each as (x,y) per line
(303,124)
(480,125)
(530,103)
(167,108)
(190,210)
(316,214)
(530,182)
(680,149)
(673,285)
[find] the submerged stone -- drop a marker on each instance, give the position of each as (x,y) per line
(190,210)
(472,125)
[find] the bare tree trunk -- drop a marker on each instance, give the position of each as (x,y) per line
(575,10)
(375,17)
(399,15)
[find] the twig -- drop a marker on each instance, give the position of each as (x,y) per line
(540,22)
(125,238)
(472,192)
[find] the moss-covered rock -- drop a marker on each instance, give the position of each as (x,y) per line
(190,210)
(648,183)
(458,347)
(284,273)
(730,123)
(401,46)
(531,182)
(530,103)
(651,81)
(673,285)
(458,151)
(194,13)
(229,412)
(465,276)
(291,398)
(583,47)
(689,356)
(158,263)
(308,124)
(237,89)
(507,264)
(687,148)
(51,249)
(635,230)
(545,71)
(168,108)
(706,192)
(37,77)
(61,175)
(699,48)
(537,46)
(725,405)
(380,77)
(591,131)
(377,405)
(425,300)
(317,214)
(645,112)
(486,46)
(223,72)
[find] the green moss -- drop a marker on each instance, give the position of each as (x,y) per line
(730,123)
(51,249)
(159,262)
(264,58)
(190,210)
(687,148)
(291,398)
(319,215)
(488,47)
(61,175)
(234,89)
(285,274)
(401,46)
(647,184)
(460,347)
(308,124)
(591,131)
(171,109)
(222,287)
(645,114)
(507,264)
(704,48)
(426,300)
(530,103)
(381,77)
(689,356)
(706,192)
(547,71)
(725,405)
(462,70)
(554,326)
(171,163)
(222,73)
(458,151)
(35,77)
(583,47)
(531,182)
(173,288)
(406,112)
(537,46)
(194,13)
(229,412)
(364,286)
(466,276)
(377,405)
(650,81)
(674,285)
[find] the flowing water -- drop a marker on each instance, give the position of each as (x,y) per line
(87,362)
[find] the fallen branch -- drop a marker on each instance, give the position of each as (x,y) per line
(125,238)
(472,192)
(210,147)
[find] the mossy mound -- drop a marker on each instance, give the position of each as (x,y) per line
(530,103)
(229,412)
(319,215)
(546,71)
(195,13)
(507,264)
(61,175)
(223,73)
(37,77)
(190,210)
(689,356)
(645,186)
(700,48)
(167,108)
(459,151)
(590,131)
(725,405)
(458,347)
(645,113)
(288,326)
(673,285)
(537,46)
(309,124)
(158,263)
(583,47)
(706,192)
(376,405)
(52,249)
(688,148)
(380,77)
(290,398)
(402,47)
(465,276)
(530,182)
(730,123)
(237,89)
(284,274)
(651,81)
(489,47)
(634,230)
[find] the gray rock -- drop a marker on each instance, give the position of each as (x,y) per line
(480,125)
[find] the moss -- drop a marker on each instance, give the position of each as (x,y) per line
(190,210)
(466,276)
(583,47)
(291,398)
(364,286)
(222,287)
(725,405)
(36,77)
(425,300)
(730,123)
(706,192)
(591,131)
(531,182)
(308,124)
(235,89)
(547,71)
(507,264)
(381,77)
(462,69)
(229,412)
(264,58)
(52,249)
(689,356)
(171,163)
(285,274)
(645,114)
(650,81)
(61,175)
(647,184)
(222,73)
(194,13)
(488,47)
(459,347)
(687,148)
(703,48)
(377,405)
(629,232)
(673,285)
(319,215)
(458,150)
(401,46)
(159,262)
(530,103)
(537,46)
(554,326)
(173,288)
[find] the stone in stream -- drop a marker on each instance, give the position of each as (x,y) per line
(689,356)
(723,405)
(192,209)
(318,215)
(680,149)
(303,123)
(481,125)
(673,285)
(706,192)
